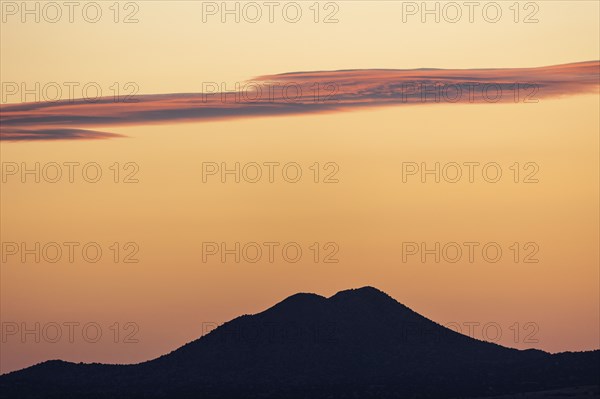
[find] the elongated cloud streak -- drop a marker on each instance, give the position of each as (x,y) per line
(298,93)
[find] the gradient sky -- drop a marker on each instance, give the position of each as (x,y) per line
(170,293)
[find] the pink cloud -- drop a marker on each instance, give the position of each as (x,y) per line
(298,93)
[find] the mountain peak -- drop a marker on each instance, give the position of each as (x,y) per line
(304,297)
(357,343)
(366,290)
(367,293)
(299,301)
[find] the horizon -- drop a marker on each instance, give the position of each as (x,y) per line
(300,295)
(356,291)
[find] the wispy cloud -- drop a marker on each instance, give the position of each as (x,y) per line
(56,134)
(298,93)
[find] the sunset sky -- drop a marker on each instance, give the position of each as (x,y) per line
(365,213)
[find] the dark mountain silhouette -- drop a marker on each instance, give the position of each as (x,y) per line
(356,344)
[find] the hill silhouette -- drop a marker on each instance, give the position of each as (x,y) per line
(359,343)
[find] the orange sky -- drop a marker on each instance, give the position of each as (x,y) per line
(367,214)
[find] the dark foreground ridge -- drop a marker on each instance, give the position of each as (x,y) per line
(357,344)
